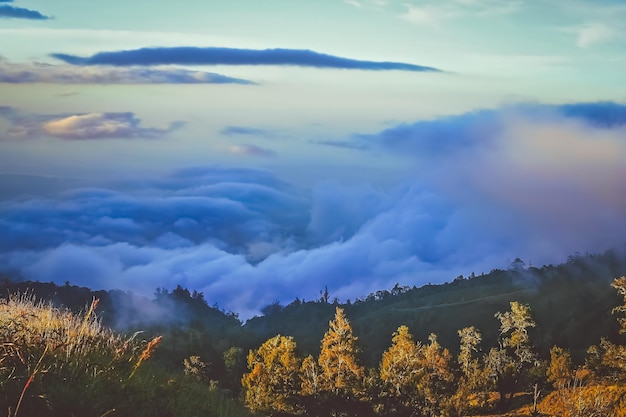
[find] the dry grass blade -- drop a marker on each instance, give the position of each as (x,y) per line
(146,353)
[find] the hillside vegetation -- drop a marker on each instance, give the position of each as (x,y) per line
(58,358)
(54,362)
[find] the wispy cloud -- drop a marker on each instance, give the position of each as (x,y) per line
(434,13)
(68,74)
(354,3)
(425,16)
(595,33)
(12,12)
(243,130)
(234,56)
(346,144)
(82,126)
(251,150)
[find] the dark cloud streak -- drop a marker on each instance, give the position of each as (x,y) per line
(242,130)
(11,12)
(233,56)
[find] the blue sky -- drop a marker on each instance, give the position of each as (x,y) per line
(259,151)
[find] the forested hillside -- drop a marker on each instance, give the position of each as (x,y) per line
(569,305)
(571,302)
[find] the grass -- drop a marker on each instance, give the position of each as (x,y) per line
(57,363)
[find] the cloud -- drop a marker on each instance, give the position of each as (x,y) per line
(242,130)
(251,150)
(346,144)
(353,3)
(534,181)
(459,133)
(100,125)
(593,34)
(424,16)
(233,56)
(12,12)
(434,13)
(66,74)
(81,126)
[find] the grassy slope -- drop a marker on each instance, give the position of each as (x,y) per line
(54,362)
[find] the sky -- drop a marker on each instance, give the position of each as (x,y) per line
(262,151)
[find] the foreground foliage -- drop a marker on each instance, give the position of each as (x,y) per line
(57,363)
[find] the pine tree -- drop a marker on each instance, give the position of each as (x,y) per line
(341,372)
(341,383)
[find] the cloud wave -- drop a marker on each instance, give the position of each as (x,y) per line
(234,56)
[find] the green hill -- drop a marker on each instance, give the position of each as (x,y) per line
(571,303)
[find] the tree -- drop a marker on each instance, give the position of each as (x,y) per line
(399,372)
(272,385)
(620,285)
(436,382)
(473,387)
(341,372)
(311,387)
(341,382)
(470,339)
(310,376)
(235,364)
(509,363)
(417,378)
(560,371)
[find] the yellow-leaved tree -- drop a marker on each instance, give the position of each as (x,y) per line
(400,372)
(509,363)
(341,377)
(473,385)
(341,374)
(417,379)
(436,383)
(272,386)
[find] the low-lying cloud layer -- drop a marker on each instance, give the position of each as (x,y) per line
(536,182)
(68,74)
(234,56)
(79,126)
